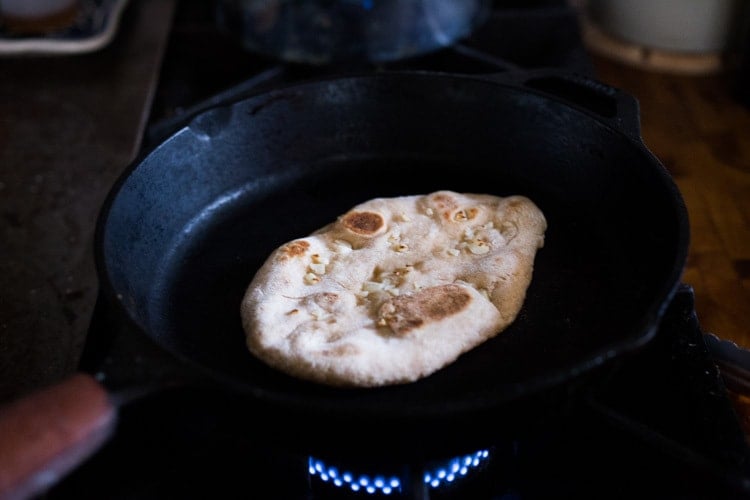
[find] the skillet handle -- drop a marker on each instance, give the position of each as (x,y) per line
(612,105)
(45,435)
(617,107)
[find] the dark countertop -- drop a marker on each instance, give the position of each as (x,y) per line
(69,125)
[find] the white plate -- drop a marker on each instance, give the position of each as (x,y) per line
(94,27)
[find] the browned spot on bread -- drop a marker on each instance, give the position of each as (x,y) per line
(294,249)
(444,201)
(328,297)
(405,313)
(464,215)
(445,204)
(363,223)
(325,299)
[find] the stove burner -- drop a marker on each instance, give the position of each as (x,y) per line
(438,474)
(455,468)
(356,482)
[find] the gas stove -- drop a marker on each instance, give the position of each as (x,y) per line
(657,423)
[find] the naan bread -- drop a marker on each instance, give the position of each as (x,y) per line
(395,289)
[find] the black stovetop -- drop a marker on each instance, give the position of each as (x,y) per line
(659,423)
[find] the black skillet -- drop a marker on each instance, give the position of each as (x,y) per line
(187,225)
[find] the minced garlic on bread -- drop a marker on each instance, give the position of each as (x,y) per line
(395,289)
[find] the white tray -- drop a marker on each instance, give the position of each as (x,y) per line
(94,27)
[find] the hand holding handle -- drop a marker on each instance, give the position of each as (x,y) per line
(45,435)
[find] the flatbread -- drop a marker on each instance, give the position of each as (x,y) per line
(394,289)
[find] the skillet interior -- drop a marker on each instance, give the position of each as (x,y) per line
(184,230)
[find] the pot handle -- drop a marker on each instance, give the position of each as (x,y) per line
(46,434)
(610,104)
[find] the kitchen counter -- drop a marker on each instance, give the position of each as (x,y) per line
(698,129)
(70,125)
(696,125)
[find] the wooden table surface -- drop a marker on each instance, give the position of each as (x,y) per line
(695,125)
(701,133)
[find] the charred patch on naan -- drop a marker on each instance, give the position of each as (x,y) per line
(405,313)
(365,224)
(294,249)
(450,209)
(445,204)
(465,214)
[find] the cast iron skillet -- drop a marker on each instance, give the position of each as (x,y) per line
(186,226)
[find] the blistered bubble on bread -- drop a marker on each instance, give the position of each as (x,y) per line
(367,224)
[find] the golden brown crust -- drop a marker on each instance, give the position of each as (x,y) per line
(445,204)
(293,249)
(363,223)
(406,313)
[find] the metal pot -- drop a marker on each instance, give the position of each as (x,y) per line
(327,31)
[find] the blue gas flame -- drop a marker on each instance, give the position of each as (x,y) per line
(443,474)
